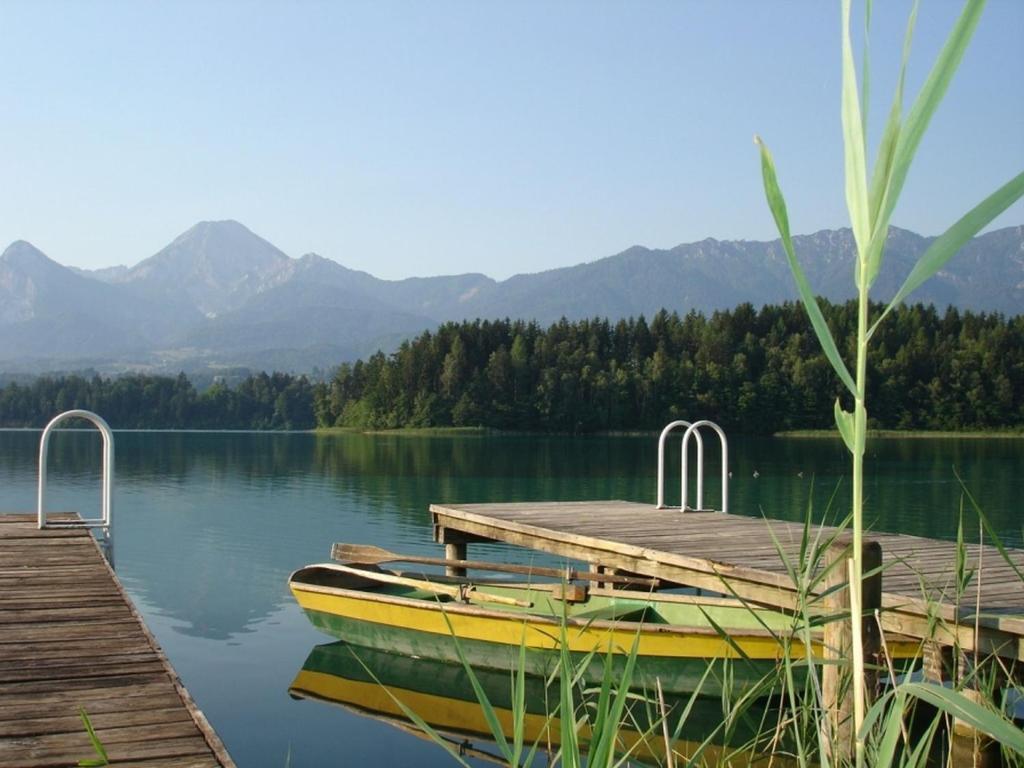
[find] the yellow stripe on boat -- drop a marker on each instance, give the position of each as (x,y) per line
(544,634)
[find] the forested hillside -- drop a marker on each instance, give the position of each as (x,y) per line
(277,401)
(755,371)
(752,371)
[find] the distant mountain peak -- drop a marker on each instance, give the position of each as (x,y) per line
(225,240)
(25,258)
(20,250)
(218,265)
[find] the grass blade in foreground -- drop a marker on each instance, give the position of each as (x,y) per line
(101,753)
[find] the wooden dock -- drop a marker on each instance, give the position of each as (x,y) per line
(69,639)
(730,553)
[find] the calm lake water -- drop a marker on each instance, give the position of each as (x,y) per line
(209,525)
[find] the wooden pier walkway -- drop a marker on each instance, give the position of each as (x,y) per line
(70,639)
(732,553)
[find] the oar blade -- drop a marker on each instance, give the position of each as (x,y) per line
(366,554)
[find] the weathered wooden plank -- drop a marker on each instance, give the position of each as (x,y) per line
(30,547)
(23,633)
(185,761)
(48,702)
(68,749)
(50,614)
(12,586)
(95,668)
(8,560)
(48,600)
(21,688)
(122,717)
(95,702)
(33,576)
(25,519)
(24,532)
(78,648)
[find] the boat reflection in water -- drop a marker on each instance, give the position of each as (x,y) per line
(371,682)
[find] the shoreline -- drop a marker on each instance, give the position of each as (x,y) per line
(795,434)
(897,434)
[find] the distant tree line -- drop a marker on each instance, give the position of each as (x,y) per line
(754,371)
(262,401)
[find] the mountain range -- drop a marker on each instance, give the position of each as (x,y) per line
(219,296)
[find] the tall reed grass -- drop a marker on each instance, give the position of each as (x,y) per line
(871,200)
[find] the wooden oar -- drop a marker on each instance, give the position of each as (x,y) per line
(367,554)
(457,591)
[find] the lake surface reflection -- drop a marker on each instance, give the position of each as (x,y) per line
(209,525)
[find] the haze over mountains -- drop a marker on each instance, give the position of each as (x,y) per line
(220,296)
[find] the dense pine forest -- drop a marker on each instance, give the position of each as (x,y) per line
(751,371)
(275,401)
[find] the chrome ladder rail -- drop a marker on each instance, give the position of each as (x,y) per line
(661,464)
(107,488)
(693,429)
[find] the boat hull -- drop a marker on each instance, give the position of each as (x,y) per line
(681,659)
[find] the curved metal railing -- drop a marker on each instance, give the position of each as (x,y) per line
(693,430)
(661,463)
(107,501)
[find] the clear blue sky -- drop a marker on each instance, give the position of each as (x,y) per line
(443,137)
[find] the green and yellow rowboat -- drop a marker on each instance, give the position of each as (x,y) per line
(676,636)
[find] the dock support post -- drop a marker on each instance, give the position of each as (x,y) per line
(945,664)
(967,746)
(837,668)
(599,569)
(455,550)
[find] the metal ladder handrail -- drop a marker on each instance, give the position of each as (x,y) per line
(107,493)
(693,429)
(661,465)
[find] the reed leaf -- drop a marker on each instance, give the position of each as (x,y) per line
(993,536)
(923,746)
(603,753)
(845,424)
(777,204)
(853,147)
(949,242)
(924,107)
(102,758)
(519,701)
(865,72)
(411,714)
(598,747)
(570,749)
(493,723)
(882,172)
(955,704)
(891,724)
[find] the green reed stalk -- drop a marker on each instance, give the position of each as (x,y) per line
(102,758)
(870,201)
